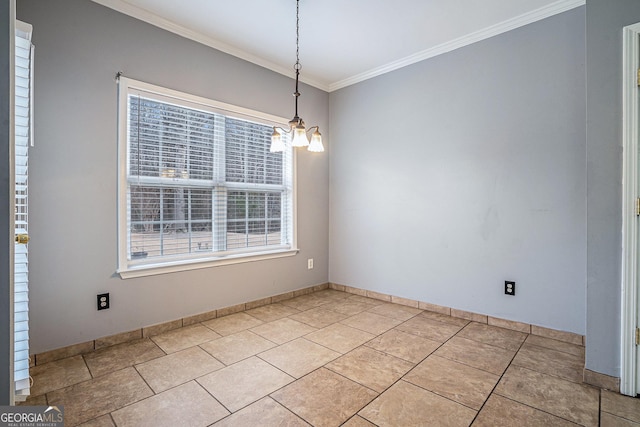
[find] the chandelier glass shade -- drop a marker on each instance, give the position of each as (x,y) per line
(297,128)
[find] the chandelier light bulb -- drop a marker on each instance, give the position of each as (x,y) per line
(300,136)
(277,145)
(316,142)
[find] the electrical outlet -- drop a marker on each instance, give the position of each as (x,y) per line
(103,301)
(509,288)
(310,263)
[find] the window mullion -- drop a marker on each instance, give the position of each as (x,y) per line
(246,218)
(161,225)
(161,167)
(219,208)
(189,220)
(188,147)
(266,218)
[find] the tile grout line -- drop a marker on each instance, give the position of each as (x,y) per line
(287,409)
(257,400)
(494,387)
(361,385)
(555,349)
(559,378)
(414,367)
(101,376)
(555,376)
(84,361)
(433,392)
(214,398)
(158,393)
(341,355)
(599,406)
(135,367)
(499,380)
(352,380)
(534,408)
(467,365)
(552,376)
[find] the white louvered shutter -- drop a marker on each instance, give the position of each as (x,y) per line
(23,132)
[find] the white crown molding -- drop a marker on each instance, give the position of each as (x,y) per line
(153,19)
(502,27)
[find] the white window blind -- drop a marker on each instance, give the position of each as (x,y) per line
(23,138)
(201,182)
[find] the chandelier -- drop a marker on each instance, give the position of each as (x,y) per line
(296,125)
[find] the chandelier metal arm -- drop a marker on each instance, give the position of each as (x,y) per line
(283,130)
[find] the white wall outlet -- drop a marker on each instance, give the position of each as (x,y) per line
(310,263)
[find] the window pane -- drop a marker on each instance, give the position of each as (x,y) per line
(274,206)
(201,206)
(144,221)
(170,141)
(253,219)
(274,236)
(201,143)
(174,210)
(256,235)
(274,168)
(256,205)
(169,221)
(236,205)
(274,218)
(248,158)
(145,208)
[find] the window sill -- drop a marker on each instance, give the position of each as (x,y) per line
(131,272)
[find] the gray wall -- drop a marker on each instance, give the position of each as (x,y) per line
(6,237)
(605,20)
(457,173)
(80,46)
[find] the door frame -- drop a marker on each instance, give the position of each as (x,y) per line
(629,276)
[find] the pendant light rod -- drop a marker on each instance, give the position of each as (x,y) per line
(296,125)
(296,94)
(297,66)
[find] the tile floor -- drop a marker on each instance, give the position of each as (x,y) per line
(327,359)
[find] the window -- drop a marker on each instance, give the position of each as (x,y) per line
(198,184)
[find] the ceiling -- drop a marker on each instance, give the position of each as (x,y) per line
(342,42)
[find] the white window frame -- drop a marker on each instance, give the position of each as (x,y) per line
(131,269)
